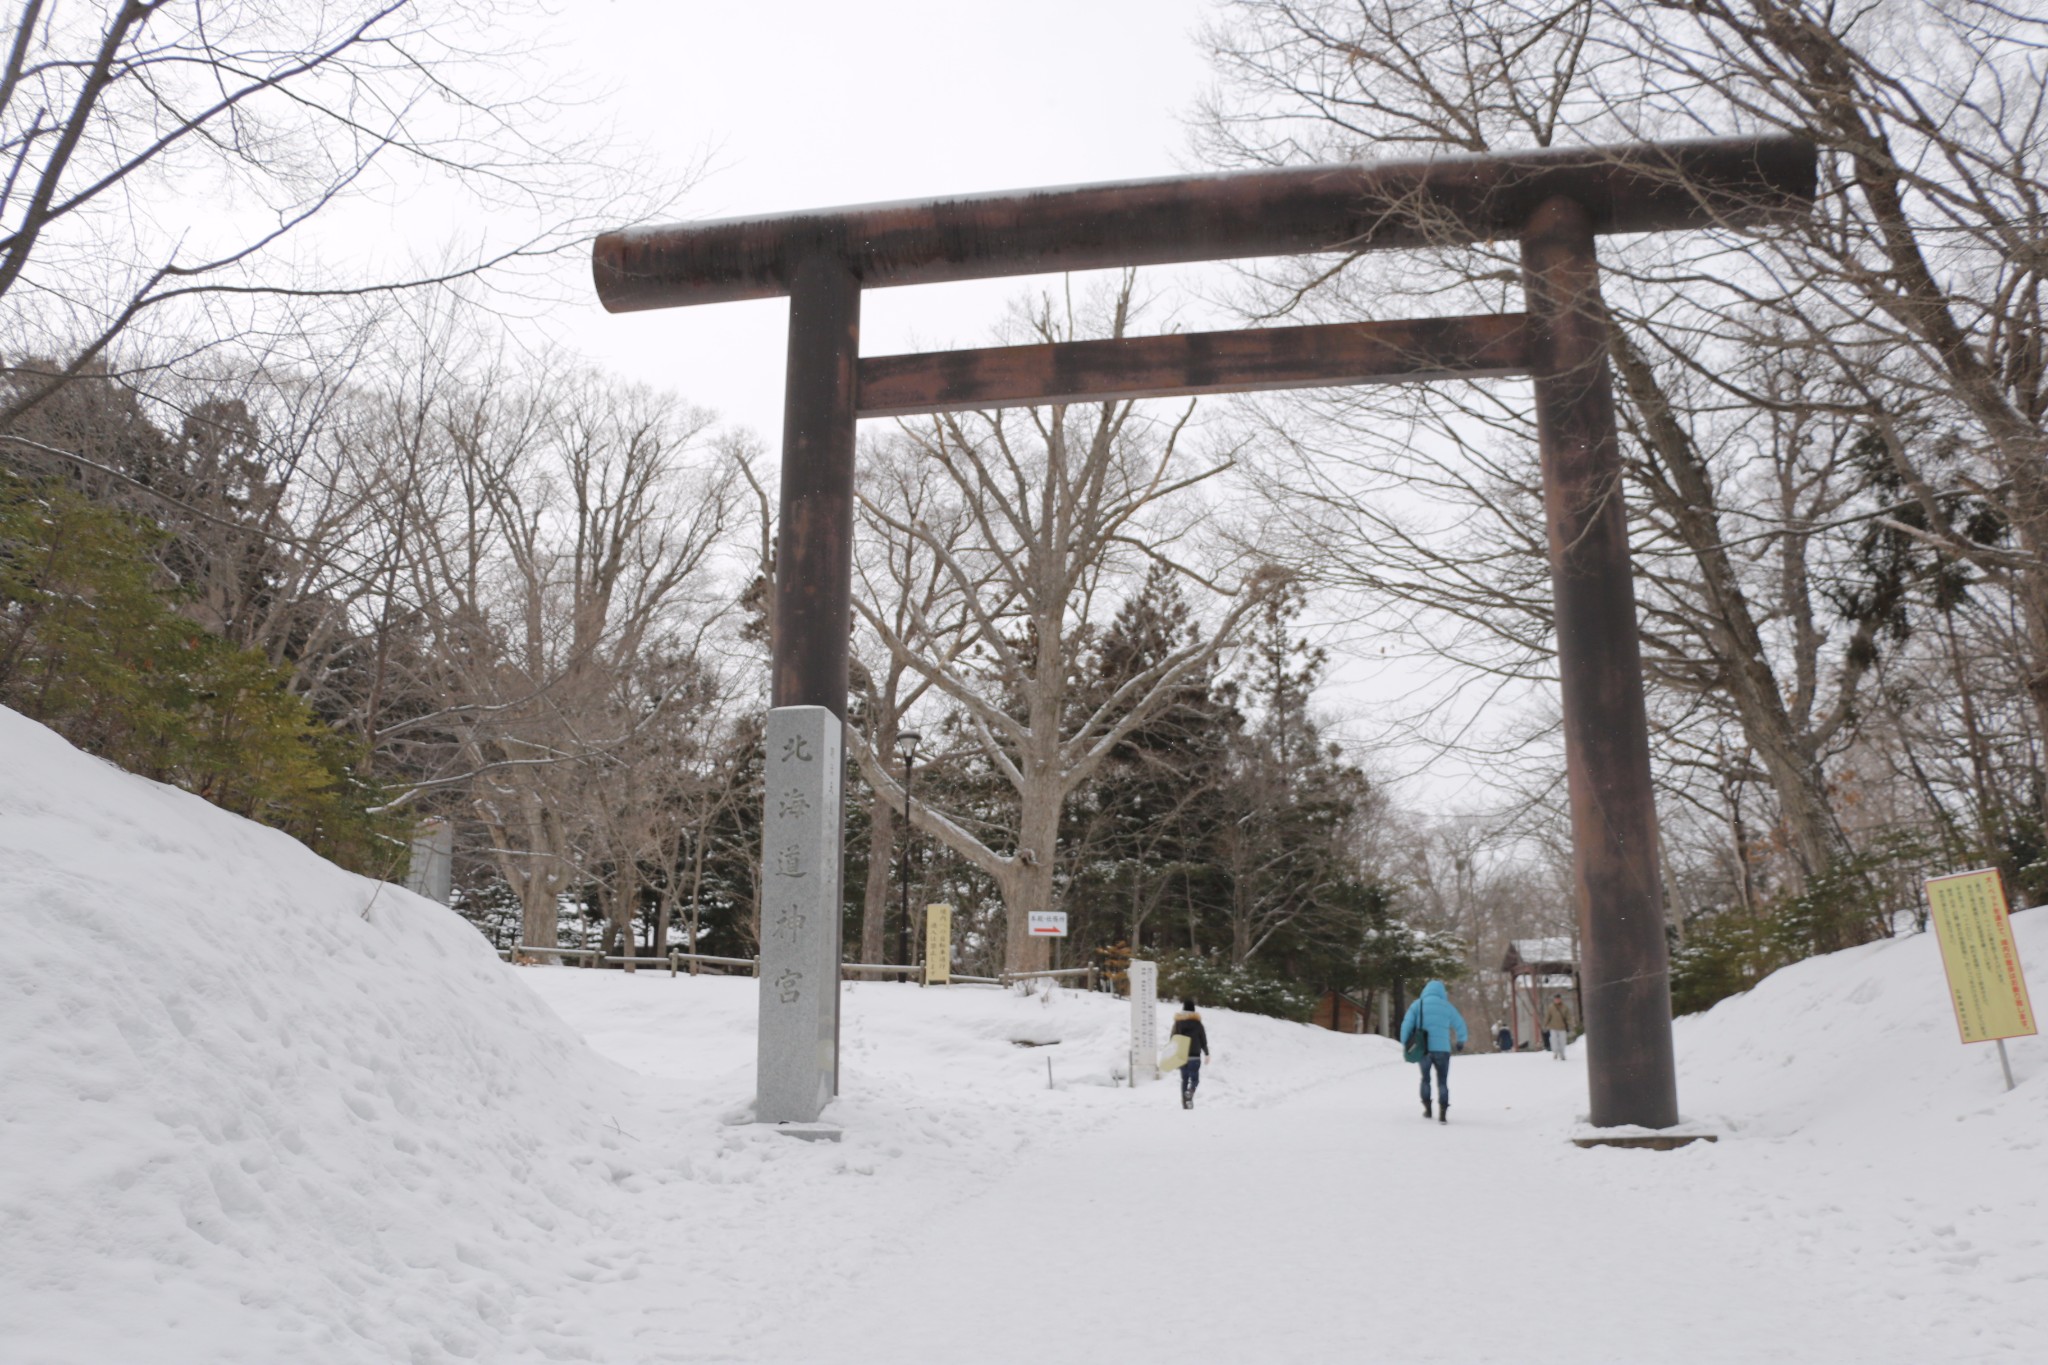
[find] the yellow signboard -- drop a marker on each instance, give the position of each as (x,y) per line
(1974,927)
(938,945)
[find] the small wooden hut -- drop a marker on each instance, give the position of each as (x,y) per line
(1538,968)
(1339,1013)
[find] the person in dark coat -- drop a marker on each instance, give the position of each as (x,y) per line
(1439,1020)
(1190,1023)
(1503,1040)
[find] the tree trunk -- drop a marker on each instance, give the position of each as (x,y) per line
(625,909)
(1033,891)
(874,911)
(668,905)
(1029,886)
(607,928)
(1139,910)
(697,889)
(1242,907)
(539,918)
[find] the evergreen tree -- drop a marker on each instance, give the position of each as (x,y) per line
(92,645)
(1290,800)
(1137,834)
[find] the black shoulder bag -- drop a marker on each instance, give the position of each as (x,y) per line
(1418,1041)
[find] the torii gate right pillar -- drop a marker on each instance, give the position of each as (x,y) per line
(1625,965)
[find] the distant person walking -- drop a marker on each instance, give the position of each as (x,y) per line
(1557,1022)
(1503,1041)
(1189,1023)
(1437,1019)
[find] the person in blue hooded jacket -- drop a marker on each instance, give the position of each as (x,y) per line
(1439,1019)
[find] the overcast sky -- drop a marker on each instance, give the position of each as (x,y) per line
(807,105)
(811,105)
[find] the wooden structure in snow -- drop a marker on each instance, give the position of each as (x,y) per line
(1555,202)
(1339,1013)
(1538,968)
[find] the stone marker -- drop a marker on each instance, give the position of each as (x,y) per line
(797,1069)
(1144,978)
(432,870)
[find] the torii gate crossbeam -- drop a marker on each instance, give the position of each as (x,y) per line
(1556,202)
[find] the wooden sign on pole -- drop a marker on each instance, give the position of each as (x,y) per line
(938,945)
(1973,925)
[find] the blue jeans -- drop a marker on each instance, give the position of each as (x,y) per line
(1442,1062)
(1190,1076)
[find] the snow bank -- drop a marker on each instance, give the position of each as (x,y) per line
(258,1108)
(1861,1044)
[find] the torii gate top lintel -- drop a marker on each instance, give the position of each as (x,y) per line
(1353,206)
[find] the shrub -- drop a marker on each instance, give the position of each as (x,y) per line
(92,645)
(1723,955)
(1234,986)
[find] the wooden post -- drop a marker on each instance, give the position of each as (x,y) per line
(1619,898)
(814,535)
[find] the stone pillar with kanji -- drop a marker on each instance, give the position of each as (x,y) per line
(798,1061)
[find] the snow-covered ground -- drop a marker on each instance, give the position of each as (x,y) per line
(259,1110)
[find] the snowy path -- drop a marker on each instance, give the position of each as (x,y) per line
(1340,1216)
(264,1112)
(1311,1206)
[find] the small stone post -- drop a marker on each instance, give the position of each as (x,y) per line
(1144,977)
(431,873)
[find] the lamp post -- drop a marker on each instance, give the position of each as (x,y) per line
(906,743)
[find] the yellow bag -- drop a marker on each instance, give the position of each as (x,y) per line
(1176,1054)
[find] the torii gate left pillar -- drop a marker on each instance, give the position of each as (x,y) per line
(797,1063)
(813,606)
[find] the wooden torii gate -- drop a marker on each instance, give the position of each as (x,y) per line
(1556,202)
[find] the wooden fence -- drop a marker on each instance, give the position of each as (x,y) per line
(676,960)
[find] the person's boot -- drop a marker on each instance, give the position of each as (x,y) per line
(1443,1112)
(1426,1111)
(1187,1099)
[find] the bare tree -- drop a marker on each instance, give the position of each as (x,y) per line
(561,557)
(1765,602)
(907,582)
(1919,284)
(714,787)
(1059,507)
(116,119)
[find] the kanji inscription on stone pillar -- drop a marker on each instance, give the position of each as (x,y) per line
(1144,986)
(797,1069)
